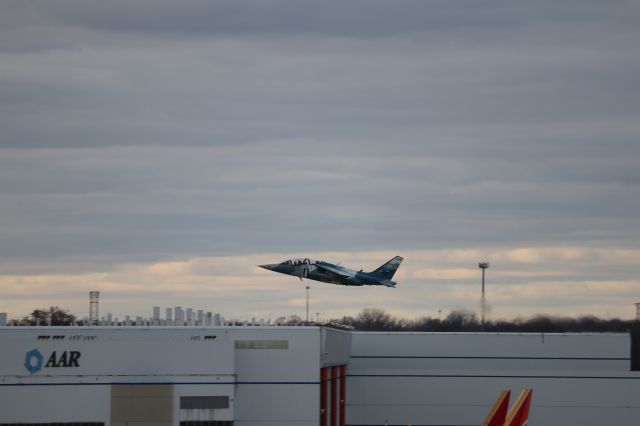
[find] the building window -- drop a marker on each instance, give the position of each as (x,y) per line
(203,402)
(262,344)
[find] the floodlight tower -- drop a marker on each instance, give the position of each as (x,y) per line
(483,266)
(637,311)
(93,307)
(307,321)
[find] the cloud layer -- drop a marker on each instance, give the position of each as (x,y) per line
(520,282)
(138,135)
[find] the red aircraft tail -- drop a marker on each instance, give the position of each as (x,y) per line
(498,413)
(520,411)
(518,414)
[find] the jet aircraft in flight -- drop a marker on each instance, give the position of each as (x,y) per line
(335,274)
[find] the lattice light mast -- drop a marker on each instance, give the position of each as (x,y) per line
(483,301)
(94,307)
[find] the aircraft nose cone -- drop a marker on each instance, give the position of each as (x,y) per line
(270,266)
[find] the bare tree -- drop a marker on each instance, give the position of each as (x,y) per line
(53,315)
(294,320)
(461,320)
(374,319)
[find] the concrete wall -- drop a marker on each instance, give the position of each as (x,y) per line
(453,379)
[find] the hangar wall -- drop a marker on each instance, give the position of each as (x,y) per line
(166,376)
(249,376)
(454,378)
(272,383)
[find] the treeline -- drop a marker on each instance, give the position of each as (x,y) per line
(467,321)
(51,316)
(379,320)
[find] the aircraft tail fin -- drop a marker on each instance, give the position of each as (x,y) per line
(498,413)
(387,270)
(520,411)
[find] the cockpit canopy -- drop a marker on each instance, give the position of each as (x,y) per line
(300,261)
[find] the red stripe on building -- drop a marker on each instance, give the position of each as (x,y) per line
(324,377)
(334,395)
(343,395)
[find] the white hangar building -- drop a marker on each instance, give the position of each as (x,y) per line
(303,376)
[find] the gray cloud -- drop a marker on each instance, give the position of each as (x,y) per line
(151,131)
(429,66)
(359,18)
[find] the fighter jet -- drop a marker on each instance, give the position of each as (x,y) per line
(319,270)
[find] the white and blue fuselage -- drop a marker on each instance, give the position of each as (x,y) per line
(319,270)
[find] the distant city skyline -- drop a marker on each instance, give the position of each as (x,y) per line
(158,151)
(520,282)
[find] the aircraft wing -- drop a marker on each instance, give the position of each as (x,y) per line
(332,270)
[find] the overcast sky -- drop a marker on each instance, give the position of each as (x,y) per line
(157,151)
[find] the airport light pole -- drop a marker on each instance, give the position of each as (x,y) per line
(307,322)
(483,266)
